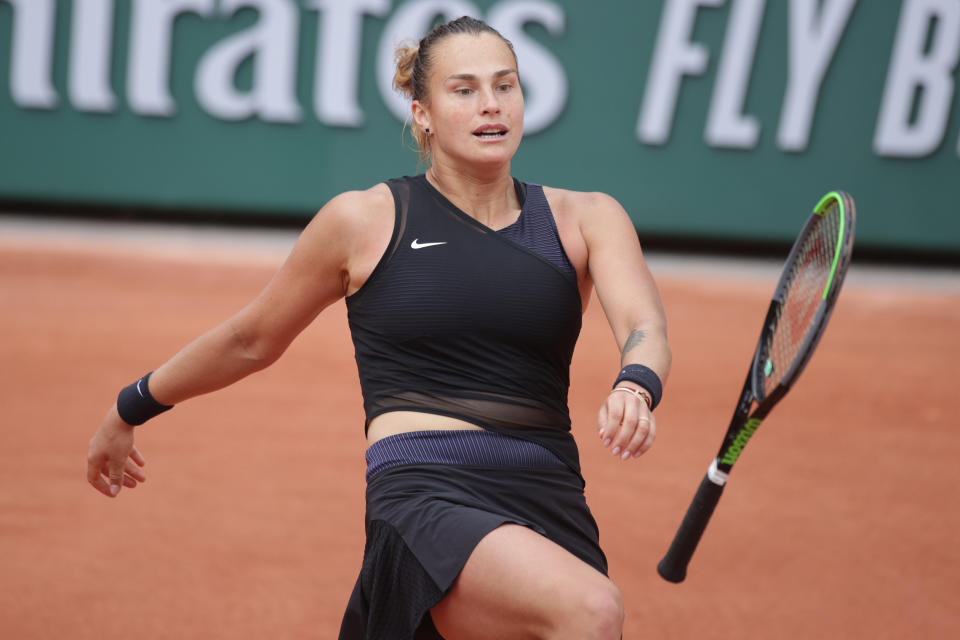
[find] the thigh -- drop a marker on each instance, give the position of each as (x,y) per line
(519,584)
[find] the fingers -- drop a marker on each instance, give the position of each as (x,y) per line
(95,478)
(626,426)
(116,479)
(643,437)
(612,416)
(134,470)
(132,473)
(108,479)
(137,457)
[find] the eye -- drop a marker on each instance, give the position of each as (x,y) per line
(463,91)
(506,86)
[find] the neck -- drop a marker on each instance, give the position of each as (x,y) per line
(490,199)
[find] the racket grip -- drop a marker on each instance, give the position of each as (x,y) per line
(673,567)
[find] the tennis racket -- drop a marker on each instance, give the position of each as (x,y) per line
(798,314)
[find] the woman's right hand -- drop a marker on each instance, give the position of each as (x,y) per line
(113,461)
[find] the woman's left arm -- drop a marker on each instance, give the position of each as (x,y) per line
(631,302)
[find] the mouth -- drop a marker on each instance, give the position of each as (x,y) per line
(490,131)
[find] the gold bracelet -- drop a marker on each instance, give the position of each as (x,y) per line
(637,393)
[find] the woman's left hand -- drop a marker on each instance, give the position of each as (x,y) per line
(626,425)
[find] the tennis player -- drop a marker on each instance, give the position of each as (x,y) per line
(465,289)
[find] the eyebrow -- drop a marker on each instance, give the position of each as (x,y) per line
(473,78)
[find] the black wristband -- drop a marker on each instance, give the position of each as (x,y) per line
(646,378)
(135,404)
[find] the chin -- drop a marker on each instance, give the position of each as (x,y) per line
(488,161)
(495,153)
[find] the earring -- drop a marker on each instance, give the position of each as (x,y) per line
(427,129)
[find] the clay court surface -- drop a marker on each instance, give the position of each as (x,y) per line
(840,520)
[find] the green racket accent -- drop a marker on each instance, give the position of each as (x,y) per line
(740,441)
(819,210)
(805,291)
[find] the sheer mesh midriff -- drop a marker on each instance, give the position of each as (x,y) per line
(484,409)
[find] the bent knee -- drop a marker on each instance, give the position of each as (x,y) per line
(598,615)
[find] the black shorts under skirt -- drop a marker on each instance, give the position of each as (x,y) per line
(424,520)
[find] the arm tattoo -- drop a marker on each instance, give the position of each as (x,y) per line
(635,338)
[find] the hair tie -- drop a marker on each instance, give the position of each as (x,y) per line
(640,395)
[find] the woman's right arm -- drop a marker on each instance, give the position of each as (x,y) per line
(312,277)
(315,274)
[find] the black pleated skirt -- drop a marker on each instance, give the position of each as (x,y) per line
(424,519)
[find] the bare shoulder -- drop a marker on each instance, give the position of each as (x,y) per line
(350,219)
(378,194)
(358,208)
(589,209)
(354,228)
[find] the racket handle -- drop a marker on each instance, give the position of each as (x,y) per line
(673,567)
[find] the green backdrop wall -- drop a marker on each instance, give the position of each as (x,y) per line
(723,119)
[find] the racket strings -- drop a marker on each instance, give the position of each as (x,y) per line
(806,283)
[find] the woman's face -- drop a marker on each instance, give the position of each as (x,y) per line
(474,106)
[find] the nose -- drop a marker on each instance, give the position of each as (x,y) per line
(490,103)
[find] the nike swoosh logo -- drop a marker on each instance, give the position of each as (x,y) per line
(416,244)
(138,388)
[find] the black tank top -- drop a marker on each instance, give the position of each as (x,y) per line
(463,321)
